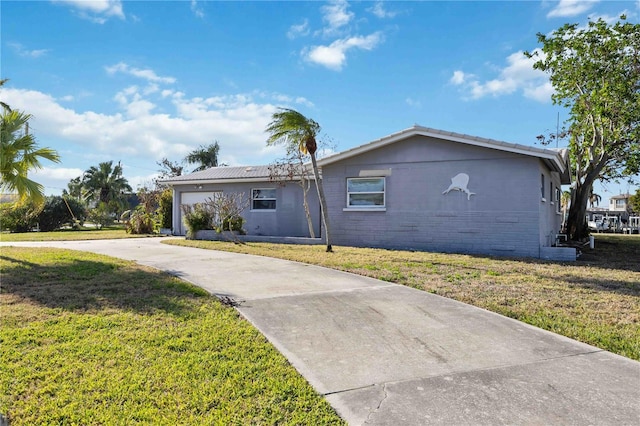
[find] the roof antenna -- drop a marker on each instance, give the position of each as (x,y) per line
(557,128)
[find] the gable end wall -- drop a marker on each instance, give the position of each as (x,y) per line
(502,218)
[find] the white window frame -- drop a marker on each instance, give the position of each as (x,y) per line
(558,199)
(356,207)
(274,199)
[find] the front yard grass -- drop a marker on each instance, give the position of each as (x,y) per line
(85,233)
(595,300)
(88,339)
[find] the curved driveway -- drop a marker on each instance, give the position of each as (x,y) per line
(386,354)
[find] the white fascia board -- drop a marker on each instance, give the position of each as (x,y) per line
(214,181)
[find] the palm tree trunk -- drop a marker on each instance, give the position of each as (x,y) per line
(323,201)
(305,188)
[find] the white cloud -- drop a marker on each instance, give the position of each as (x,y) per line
(285,99)
(146,74)
(336,16)
(519,74)
(566,8)
(541,93)
(197,10)
(60,173)
(413,102)
(141,133)
(298,30)
(334,56)
(97,11)
(608,18)
(22,51)
(458,78)
(54,179)
(379,10)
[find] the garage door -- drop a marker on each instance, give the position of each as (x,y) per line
(192,198)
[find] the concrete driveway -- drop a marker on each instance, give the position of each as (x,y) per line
(384,354)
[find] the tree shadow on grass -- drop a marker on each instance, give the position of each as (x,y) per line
(88,285)
(623,287)
(613,252)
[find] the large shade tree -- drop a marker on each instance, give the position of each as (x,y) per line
(105,183)
(634,202)
(595,71)
(299,132)
(204,157)
(19,154)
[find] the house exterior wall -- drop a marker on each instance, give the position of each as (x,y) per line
(618,203)
(550,212)
(287,220)
(504,217)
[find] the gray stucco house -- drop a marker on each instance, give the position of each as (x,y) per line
(421,189)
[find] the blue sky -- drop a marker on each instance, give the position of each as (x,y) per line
(136,81)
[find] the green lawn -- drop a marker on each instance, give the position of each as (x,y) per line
(86,233)
(88,339)
(595,300)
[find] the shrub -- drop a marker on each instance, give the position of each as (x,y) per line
(101,216)
(18,217)
(233,223)
(58,211)
(228,208)
(140,222)
(165,209)
(197,217)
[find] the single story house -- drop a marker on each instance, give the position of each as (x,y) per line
(419,189)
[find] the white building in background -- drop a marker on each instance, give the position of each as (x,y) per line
(619,203)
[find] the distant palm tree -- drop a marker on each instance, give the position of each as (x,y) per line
(2,104)
(594,199)
(299,132)
(105,183)
(75,188)
(20,153)
(204,156)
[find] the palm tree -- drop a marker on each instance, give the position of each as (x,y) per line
(4,106)
(19,154)
(75,188)
(299,132)
(205,156)
(105,183)
(594,199)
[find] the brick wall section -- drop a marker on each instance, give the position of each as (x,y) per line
(502,218)
(288,220)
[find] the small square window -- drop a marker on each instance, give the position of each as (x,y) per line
(263,199)
(366,192)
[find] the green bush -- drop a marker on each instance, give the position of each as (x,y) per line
(19,217)
(165,210)
(101,215)
(232,224)
(58,212)
(140,222)
(197,217)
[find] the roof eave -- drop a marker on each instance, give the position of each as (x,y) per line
(213,181)
(555,157)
